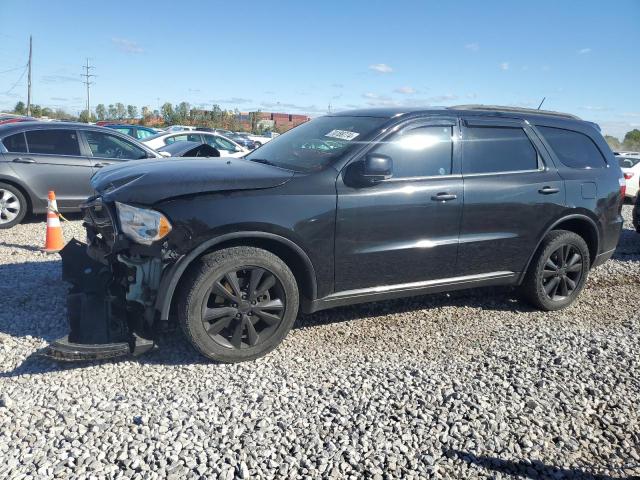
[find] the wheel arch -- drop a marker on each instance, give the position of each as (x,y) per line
(291,253)
(577,223)
(23,189)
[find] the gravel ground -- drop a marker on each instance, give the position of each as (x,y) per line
(470,384)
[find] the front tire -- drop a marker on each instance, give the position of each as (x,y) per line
(558,271)
(238,304)
(13,206)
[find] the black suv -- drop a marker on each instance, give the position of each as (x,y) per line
(353,207)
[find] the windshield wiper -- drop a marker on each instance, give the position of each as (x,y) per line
(263,160)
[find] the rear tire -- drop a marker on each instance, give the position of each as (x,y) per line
(13,206)
(558,271)
(237,304)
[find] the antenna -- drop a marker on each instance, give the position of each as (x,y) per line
(29,80)
(543,99)
(87,76)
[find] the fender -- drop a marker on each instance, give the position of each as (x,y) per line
(173,275)
(575,216)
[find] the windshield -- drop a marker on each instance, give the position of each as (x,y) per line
(316,144)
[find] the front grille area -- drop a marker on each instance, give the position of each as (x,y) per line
(98,222)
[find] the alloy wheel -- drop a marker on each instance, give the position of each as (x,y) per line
(562,272)
(244,307)
(9,206)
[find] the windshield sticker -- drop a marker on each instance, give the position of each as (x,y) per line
(342,134)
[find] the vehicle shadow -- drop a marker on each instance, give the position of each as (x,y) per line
(628,248)
(533,469)
(42,217)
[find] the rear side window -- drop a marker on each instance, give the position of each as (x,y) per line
(53,142)
(419,152)
(574,149)
(498,149)
(140,133)
(15,143)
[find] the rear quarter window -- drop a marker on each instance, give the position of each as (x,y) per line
(573,149)
(15,143)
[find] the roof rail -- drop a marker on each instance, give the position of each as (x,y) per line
(499,108)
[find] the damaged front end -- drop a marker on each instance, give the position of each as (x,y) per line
(110,306)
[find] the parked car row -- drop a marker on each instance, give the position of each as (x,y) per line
(630,165)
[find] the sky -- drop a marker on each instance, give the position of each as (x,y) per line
(307,57)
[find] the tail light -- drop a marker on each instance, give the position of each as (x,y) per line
(628,175)
(623,186)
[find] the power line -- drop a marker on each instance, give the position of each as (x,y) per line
(17,82)
(13,69)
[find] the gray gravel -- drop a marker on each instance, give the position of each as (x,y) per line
(470,384)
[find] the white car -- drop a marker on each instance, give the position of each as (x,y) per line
(260,140)
(630,166)
(179,128)
(226,147)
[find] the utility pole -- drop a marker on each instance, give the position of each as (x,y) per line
(29,80)
(87,76)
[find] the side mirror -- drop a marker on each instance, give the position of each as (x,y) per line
(377,167)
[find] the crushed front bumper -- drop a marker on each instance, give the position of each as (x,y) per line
(99,315)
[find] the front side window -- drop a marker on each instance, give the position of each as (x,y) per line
(141,133)
(15,143)
(419,152)
(104,145)
(53,142)
(497,149)
(574,149)
(125,130)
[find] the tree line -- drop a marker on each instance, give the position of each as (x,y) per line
(180,114)
(631,141)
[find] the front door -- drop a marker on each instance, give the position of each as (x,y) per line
(53,162)
(403,229)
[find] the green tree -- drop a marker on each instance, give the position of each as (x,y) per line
(632,140)
(101,111)
(168,115)
(86,116)
(47,112)
(36,110)
(146,113)
(132,111)
(254,117)
(112,112)
(121,111)
(182,112)
(20,108)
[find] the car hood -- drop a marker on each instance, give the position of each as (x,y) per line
(150,181)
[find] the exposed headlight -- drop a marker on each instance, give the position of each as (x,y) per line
(142,225)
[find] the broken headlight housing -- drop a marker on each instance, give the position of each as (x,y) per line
(142,225)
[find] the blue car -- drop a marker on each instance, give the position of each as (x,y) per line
(135,131)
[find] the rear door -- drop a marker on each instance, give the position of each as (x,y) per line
(53,161)
(106,148)
(512,191)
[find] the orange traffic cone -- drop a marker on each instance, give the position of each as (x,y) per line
(55,241)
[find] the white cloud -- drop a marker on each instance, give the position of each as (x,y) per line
(127,46)
(584,51)
(504,66)
(405,90)
(595,108)
(381,68)
(474,47)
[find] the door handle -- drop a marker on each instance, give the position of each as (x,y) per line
(548,190)
(23,160)
(101,164)
(443,197)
